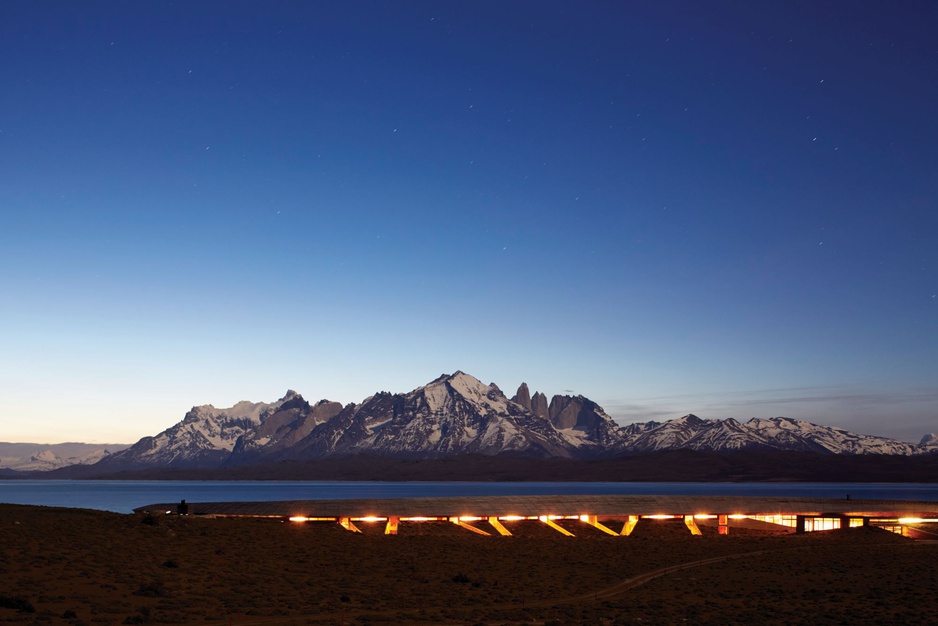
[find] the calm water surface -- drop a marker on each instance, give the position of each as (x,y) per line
(122,496)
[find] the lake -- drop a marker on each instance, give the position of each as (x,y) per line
(122,496)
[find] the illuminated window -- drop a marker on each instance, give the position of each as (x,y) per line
(791,521)
(814,524)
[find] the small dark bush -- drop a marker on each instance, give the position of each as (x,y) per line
(19,603)
(69,614)
(152,590)
(148,519)
(460,578)
(170,564)
(344,598)
(143,618)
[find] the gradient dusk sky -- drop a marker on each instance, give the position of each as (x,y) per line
(727,208)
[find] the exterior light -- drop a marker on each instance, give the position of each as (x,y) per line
(299,518)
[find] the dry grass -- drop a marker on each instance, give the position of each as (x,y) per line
(102,568)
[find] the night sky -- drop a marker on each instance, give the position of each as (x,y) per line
(726,208)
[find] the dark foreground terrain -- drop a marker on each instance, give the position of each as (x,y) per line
(64,566)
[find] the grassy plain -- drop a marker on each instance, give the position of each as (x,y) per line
(90,567)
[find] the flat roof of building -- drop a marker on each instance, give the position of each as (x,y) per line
(606,505)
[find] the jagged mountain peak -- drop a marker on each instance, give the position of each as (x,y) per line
(441,392)
(690,418)
(523,396)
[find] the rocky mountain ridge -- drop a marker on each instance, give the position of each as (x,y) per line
(459,415)
(41,457)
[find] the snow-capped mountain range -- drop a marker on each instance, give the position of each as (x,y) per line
(458,414)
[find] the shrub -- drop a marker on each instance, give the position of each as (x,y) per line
(19,603)
(152,590)
(142,618)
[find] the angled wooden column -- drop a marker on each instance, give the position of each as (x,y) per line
(391,527)
(692,525)
(555,526)
(593,521)
(629,526)
(463,524)
(348,525)
(497,525)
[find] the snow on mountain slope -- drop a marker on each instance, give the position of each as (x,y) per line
(289,423)
(780,433)
(788,432)
(205,435)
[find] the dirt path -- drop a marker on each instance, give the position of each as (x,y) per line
(637,581)
(603,594)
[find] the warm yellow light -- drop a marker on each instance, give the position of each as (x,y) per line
(469,518)
(704,516)
(299,518)
(658,516)
(369,518)
(419,519)
(737,516)
(584,518)
(512,518)
(911,520)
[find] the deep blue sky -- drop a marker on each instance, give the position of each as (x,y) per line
(724,208)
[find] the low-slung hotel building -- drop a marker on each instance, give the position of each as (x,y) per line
(614,515)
